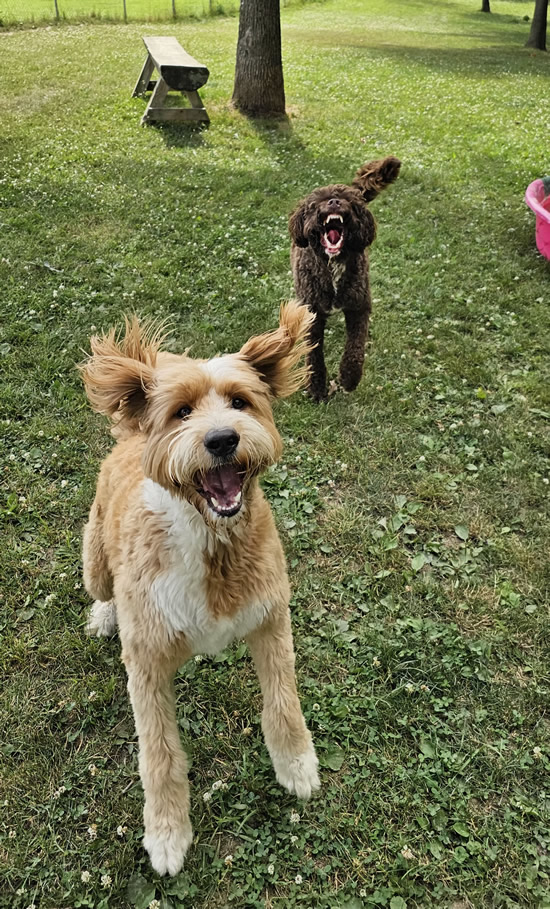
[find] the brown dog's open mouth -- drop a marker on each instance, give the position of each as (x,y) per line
(332,236)
(222,487)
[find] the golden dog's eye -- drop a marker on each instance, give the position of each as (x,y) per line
(184,412)
(238,403)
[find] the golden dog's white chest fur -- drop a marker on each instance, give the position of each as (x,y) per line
(179,592)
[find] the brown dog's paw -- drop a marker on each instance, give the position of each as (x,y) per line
(350,378)
(318,395)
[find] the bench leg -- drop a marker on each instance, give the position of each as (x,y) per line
(196,103)
(156,101)
(143,81)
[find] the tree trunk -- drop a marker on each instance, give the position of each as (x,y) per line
(485,6)
(537,35)
(259,86)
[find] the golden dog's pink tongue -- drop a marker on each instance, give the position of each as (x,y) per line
(224,485)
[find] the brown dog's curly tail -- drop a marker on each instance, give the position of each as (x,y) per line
(373,177)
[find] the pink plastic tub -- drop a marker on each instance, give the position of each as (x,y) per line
(538,198)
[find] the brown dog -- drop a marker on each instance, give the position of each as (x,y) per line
(331,230)
(181,550)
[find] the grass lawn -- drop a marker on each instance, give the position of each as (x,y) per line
(415,513)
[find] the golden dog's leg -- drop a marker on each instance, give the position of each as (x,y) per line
(287,738)
(162,761)
(98,580)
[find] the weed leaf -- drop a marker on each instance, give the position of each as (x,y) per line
(462,531)
(140,892)
(332,757)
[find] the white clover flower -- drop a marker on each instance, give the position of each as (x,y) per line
(362,892)
(20,891)
(154,904)
(228,860)
(85,877)
(316,708)
(294,817)
(199,658)
(271,869)
(92,695)
(64,483)
(293,839)
(93,769)
(92,831)
(409,687)
(537,753)
(407,853)
(376,661)
(106,880)
(12,834)
(217,785)
(59,792)
(120,830)
(206,796)
(298,879)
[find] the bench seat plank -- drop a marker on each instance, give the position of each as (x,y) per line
(178,68)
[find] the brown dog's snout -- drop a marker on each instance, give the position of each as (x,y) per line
(221,442)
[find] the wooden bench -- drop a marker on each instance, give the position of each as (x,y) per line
(178,72)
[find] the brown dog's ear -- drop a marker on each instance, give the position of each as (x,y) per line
(365,232)
(296,226)
(277,354)
(373,177)
(119,371)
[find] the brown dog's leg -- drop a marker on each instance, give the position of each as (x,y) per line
(162,761)
(351,365)
(286,736)
(318,382)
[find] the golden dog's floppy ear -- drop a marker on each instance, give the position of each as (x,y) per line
(119,371)
(373,177)
(276,355)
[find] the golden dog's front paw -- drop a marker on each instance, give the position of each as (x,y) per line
(298,774)
(167,848)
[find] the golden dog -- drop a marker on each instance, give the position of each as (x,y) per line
(181,549)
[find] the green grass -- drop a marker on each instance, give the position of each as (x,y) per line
(415,512)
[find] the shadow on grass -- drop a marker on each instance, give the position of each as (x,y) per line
(473,62)
(181,135)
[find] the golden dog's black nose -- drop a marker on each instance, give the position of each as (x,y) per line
(221,442)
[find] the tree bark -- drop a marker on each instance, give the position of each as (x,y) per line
(537,34)
(259,85)
(485,6)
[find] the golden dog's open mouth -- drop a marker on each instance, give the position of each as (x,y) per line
(332,235)
(222,487)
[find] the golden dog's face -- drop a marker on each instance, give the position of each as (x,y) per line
(208,424)
(209,430)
